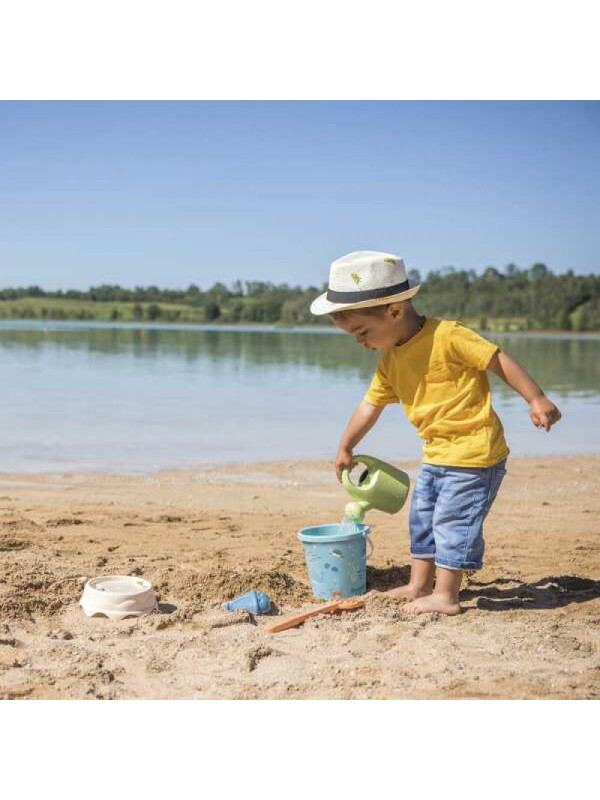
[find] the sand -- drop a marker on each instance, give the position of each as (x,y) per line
(530,626)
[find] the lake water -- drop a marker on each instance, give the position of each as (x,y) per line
(139,398)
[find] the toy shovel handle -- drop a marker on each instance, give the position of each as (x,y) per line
(351,604)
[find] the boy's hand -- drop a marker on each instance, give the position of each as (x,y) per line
(343,460)
(544,414)
(362,420)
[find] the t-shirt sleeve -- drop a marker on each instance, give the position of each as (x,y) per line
(469,348)
(380,392)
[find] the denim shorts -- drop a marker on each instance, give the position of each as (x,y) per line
(448,508)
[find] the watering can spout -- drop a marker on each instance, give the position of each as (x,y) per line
(380,486)
(356,510)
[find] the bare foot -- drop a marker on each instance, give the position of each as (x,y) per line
(432,602)
(407,592)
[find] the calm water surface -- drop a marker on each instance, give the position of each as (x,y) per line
(130,398)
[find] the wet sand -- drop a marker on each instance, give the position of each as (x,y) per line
(530,626)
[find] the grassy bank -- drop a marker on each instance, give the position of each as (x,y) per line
(32,308)
(54,309)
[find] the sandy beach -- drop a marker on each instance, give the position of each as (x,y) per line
(530,626)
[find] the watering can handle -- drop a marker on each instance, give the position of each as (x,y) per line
(368,461)
(370,546)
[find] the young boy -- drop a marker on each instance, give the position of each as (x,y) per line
(437,369)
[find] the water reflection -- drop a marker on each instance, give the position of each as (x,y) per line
(562,365)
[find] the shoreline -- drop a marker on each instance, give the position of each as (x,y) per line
(57,324)
(530,626)
(215,467)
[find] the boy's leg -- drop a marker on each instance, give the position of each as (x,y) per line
(444,597)
(465,496)
(422,575)
(422,544)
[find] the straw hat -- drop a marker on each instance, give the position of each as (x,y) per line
(362,279)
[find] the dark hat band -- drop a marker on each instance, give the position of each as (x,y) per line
(368,294)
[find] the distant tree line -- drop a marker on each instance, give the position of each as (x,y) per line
(530,299)
(508,299)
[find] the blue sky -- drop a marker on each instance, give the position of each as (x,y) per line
(172,192)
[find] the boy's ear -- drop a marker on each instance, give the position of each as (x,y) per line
(396,310)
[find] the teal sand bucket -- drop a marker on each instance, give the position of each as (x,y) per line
(336,558)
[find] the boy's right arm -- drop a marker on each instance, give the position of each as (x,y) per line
(361,422)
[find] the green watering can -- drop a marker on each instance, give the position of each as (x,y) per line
(380,486)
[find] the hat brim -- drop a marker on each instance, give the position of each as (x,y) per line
(324,306)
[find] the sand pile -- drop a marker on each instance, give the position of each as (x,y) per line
(29,585)
(216,585)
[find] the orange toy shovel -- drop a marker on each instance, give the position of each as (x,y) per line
(351,604)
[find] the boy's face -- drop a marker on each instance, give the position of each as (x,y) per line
(376,331)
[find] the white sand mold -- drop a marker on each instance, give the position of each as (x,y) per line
(118,596)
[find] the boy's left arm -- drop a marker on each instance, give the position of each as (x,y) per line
(543,412)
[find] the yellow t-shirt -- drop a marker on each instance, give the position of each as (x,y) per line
(439,376)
